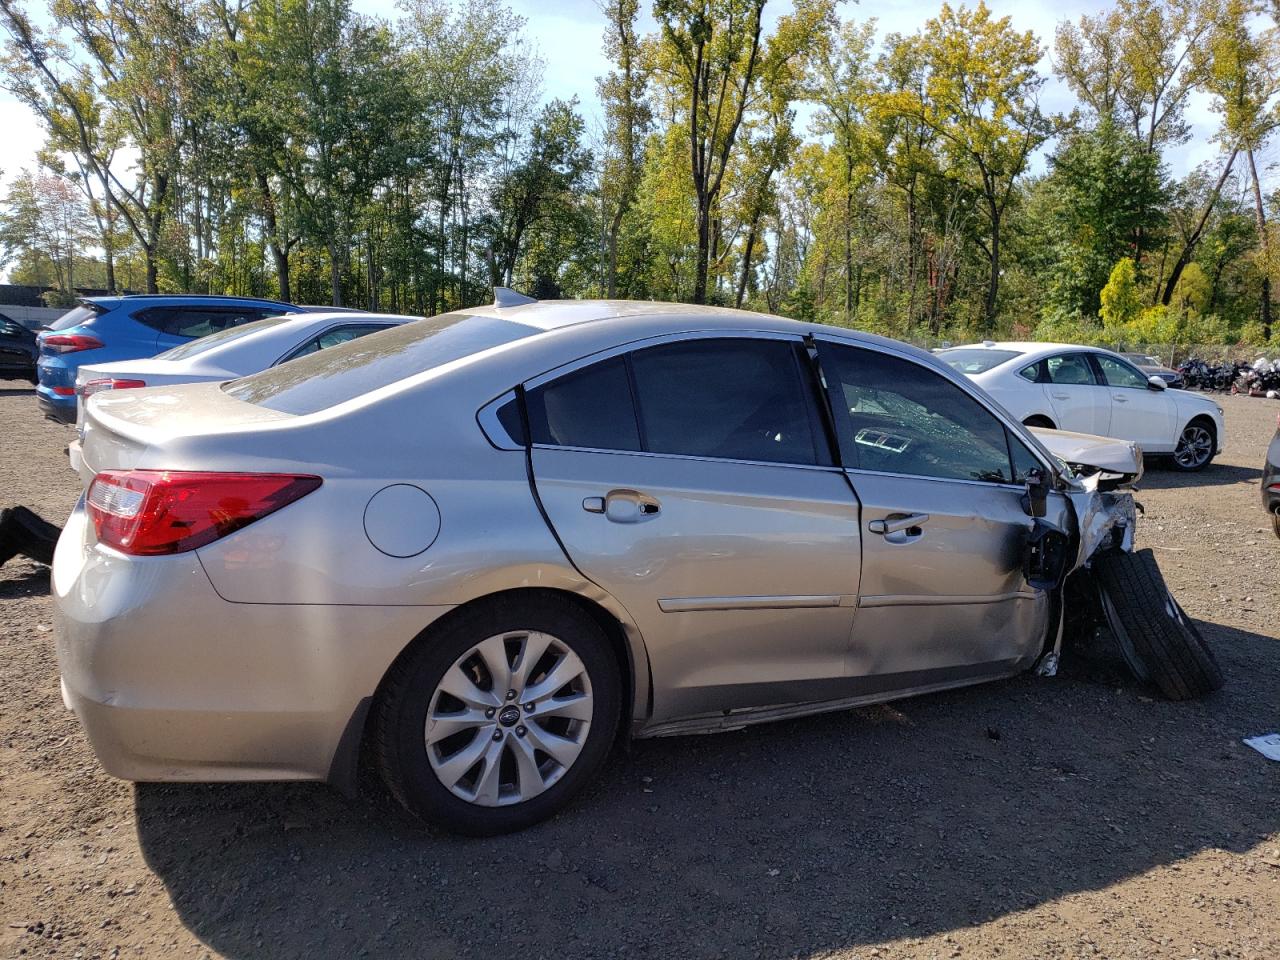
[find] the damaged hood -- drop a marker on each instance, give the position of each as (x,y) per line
(1087,454)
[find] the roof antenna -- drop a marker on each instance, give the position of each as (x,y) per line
(506,297)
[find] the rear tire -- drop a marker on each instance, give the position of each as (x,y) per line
(427,735)
(1160,644)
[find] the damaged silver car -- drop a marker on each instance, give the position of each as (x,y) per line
(475,549)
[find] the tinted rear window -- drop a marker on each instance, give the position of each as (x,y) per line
(330,377)
(587,408)
(975,360)
(74,317)
(196,347)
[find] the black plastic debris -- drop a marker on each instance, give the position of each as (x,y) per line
(23,531)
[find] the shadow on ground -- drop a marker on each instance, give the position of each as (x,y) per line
(1158,475)
(22,578)
(904,820)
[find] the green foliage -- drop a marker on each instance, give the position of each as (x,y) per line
(777,160)
(1121,301)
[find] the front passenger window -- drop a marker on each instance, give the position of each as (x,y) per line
(904,418)
(1119,374)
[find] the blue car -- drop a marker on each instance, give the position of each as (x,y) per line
(105,329)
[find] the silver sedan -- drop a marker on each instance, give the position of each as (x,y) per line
(484,545)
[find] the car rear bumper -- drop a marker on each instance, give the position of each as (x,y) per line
(61,409)
(171,682)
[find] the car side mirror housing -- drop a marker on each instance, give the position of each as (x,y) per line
(1035,502)
(1156,383)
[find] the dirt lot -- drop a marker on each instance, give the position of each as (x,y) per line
(1072,817)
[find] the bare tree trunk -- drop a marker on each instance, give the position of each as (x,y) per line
(1260,213)
(1189,246)
(335,275)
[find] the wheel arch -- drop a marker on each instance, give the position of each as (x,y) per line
(624,641)
(1039,420)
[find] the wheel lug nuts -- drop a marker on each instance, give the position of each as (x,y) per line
(511,694)
(528,708)
(497,734)
(520,731)
(489,713)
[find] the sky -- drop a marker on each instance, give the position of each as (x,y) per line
(567,35)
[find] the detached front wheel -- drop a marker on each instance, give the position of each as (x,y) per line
(494,722)
(1158,642)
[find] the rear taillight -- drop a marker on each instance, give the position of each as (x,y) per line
(154,512)
(69,342)
(64,391)
(109,383)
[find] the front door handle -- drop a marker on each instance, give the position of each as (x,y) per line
(624,506)
(896,523)
(1062,396)
(1119,399)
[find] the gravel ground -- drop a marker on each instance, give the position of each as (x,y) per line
(1071,817)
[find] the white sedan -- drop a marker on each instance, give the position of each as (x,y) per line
(234,352)
(1090,390)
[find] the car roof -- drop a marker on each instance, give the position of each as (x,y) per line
(177,299)
(551,315)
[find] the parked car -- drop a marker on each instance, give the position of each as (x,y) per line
(236,351)
(1271,481)
(1094,391)
(17,351)
(482,543)
(106,329)
(1152,367)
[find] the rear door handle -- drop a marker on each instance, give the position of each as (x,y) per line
(1062,396)
(1119,399)
(624,506)
(897,523)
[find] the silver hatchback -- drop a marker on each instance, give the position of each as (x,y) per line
(485,544)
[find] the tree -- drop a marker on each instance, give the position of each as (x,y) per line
(1121,300)
(547,185)
(627,118)
(1104,197)
(1243,74)
(709,53)
(981,99)
(44,221)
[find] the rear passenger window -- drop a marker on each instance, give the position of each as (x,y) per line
(1073,368)
(726,398)
(736,399)
(1031,373)
(193,322)
(590,407)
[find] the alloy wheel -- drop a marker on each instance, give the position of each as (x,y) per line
(509,718)
(1195,447)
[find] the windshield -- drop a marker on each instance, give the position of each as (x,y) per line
(329,377)
(226,335)
(971,360)
(75,316)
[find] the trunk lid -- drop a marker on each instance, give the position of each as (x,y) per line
(166,427)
